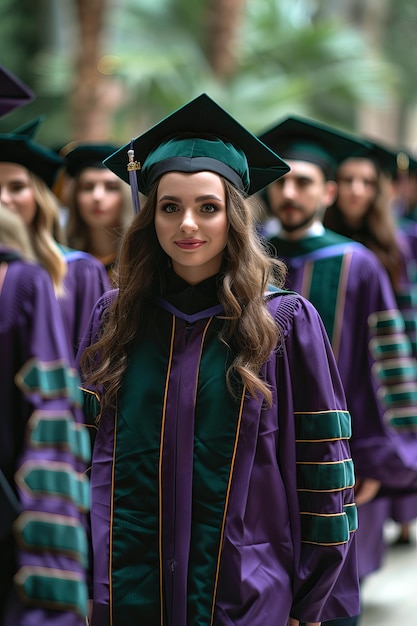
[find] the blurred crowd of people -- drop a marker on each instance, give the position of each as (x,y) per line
(338,218)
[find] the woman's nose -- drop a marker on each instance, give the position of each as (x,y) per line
(5,196)
(98,191)
(188,222)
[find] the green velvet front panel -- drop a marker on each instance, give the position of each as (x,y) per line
(324,287)
(135,576)
(136,564)
(216,430)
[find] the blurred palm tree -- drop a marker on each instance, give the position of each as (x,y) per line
(259,59)
(123,66)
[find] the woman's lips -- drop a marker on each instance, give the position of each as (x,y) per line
(189,244)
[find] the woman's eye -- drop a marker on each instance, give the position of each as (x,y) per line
(17,188)
(209,208)
(169,208)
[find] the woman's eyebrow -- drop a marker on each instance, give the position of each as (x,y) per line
(198,199)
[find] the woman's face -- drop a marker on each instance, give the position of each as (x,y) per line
(357,180)
(191,223)
(99,198)
(16,191)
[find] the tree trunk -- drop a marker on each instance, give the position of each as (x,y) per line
(95,95)
(382,122)
(223,21)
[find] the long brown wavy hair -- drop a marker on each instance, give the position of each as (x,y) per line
(247,270)
(377,231)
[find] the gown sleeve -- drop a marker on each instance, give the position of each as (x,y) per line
(92,394)
(51,578)
(316,462)
(380,383)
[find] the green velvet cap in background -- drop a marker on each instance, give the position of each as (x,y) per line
(200,136)
(304,139)
(82,155)
(19,147)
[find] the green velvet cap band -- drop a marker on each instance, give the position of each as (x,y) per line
(194,154)
(312,153)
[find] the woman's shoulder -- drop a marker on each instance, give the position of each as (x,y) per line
(289,307)
(28,276)
(75,257)
(106,300)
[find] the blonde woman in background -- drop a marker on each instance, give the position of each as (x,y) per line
(27,173)
(98,202)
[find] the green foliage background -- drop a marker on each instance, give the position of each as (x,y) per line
(308,57)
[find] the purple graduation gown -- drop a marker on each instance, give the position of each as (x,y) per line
(44,451)
(212,510)
(403,507)
(85,282)
(352,293)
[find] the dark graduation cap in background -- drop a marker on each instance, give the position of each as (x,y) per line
(82,155)
(13,93)
(299,138)
(389,160)
(19,147)
(198,136)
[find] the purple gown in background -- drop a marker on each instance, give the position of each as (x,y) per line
(352,292)
(85,282)
(268,555)
(403,507)
(44,452)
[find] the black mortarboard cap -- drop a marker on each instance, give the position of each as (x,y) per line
(19,147)
(387,159)
(29,129)
(84,155)
(298,138)
(406,161)
(13,93)
(200,136)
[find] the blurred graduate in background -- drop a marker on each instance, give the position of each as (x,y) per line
(27,173)
(44,445)
(99,203)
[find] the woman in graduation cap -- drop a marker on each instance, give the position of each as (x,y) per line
(221,479)
(98,201)
(27,173)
